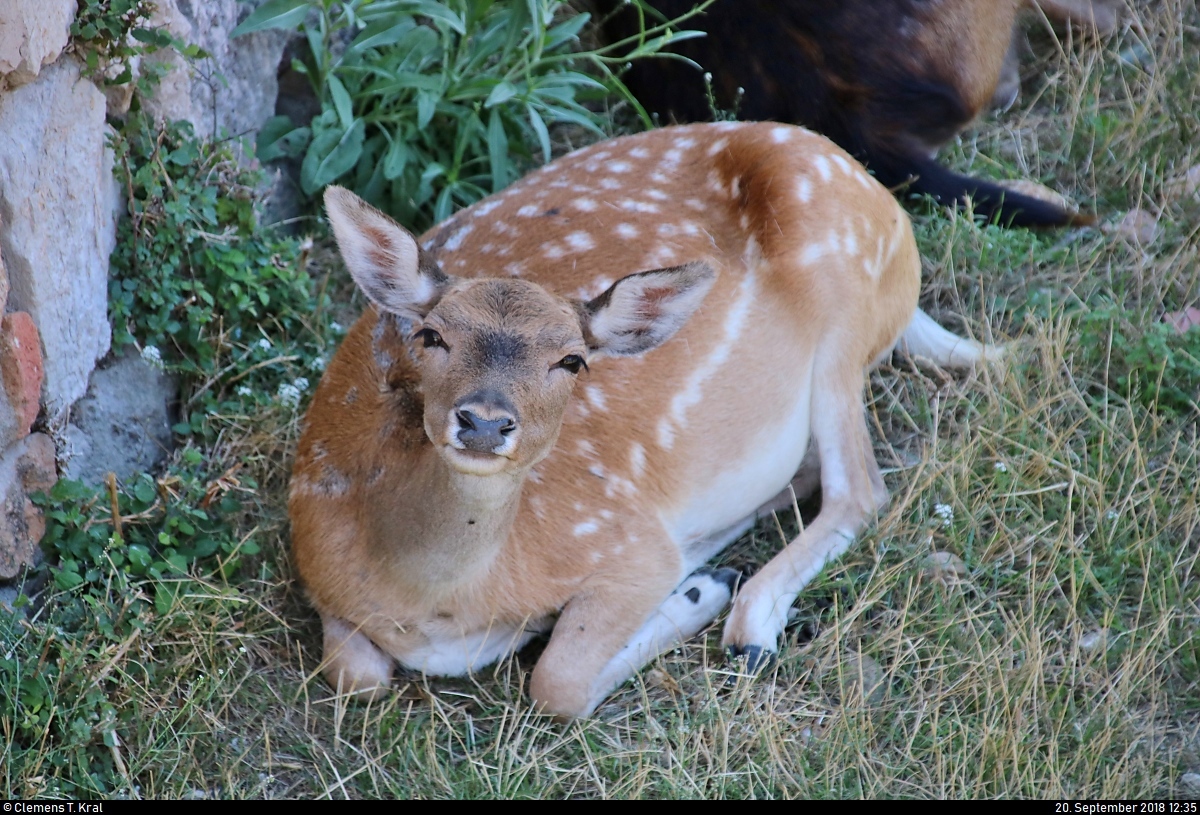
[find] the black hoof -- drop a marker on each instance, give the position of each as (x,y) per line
(730,577)
(755,657)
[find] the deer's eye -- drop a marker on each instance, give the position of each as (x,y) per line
(571,363)
(431,339)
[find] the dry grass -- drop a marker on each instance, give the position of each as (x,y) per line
(1039,643)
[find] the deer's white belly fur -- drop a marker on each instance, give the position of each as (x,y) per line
(768,461)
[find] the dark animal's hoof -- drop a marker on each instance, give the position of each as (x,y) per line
(756,657)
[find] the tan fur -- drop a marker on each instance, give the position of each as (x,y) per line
(607,511)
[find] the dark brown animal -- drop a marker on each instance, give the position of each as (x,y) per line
(888,80)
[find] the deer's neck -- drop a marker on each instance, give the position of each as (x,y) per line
(451,528)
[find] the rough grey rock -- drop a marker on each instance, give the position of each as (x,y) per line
(32,34)
(58,200)
(233,92)
(123,424)
(3,272)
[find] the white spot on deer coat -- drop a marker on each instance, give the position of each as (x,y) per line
(781,134)
(629,205)
(584,204)
(812,253)
(637,460)
(596,397)
(696,204)
(656,194)
(527,211)
(717,146)
(823,168)
(619,167)
(804,190)
(485,207)
(586,528)
(659,257)
(627,230)
(640,152)
(666,433)
(580,241)
(552,251)
(842,164)
(611,184)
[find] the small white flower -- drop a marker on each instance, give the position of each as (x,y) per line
(945,512)
(1111,515)
(264,344)
(318,363)
(244,390)
(289,394)
(152,356)
(336,328)
(1000,467)
(301,383)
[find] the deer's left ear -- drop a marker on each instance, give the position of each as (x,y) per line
(644,310)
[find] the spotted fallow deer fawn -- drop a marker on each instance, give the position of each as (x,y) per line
(526,429)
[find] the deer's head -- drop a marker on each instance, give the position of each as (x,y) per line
(498,358)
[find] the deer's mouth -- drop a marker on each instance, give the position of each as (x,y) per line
(475,462)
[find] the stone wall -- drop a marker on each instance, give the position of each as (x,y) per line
(59,206)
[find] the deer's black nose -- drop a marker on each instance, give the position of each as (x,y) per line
(485,422)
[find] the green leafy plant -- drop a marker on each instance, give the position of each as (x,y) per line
(196,283)
(429,106)
(112,34)
(1155,364)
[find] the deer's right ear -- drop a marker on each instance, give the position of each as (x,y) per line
(383,257)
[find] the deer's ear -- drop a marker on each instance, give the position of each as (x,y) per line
(644,310)
(383,257)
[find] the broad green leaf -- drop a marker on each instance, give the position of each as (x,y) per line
(151,36)
(285,14)
(500,94)
(566,31)
(395,159)
(433,171)
(539,127)
(444,207)
(426,105)
(341,101)
(319,169)
(438,12)
(279,138)
(383,32)
(497,151)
